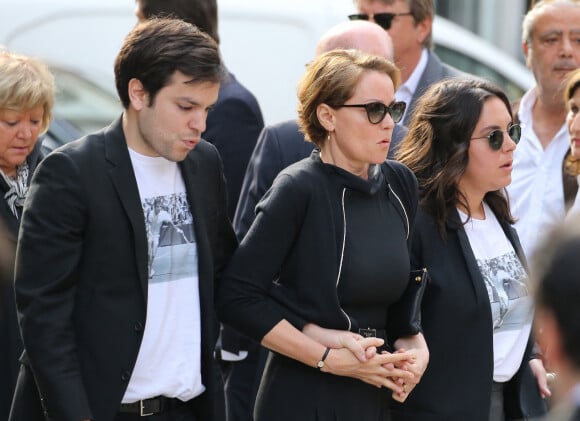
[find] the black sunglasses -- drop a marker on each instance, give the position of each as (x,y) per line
(376,111)
(495,138)
(384,20)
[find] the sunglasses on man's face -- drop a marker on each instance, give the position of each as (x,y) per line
(376,111)
(384,20)
(495,138)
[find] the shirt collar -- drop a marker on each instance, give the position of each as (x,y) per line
(526,104)
(411,84)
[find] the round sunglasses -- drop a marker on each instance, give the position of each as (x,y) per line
(376,111)
(495,138)
(384,20)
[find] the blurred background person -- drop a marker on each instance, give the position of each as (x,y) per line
(26,102)
(279,146)
(571,165)
(235,121)
(409,23)
(555,268)
(327,255)
(476,311)
(538,199)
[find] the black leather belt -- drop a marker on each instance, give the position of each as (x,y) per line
(151,406)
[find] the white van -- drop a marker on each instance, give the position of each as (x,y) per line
(265,43)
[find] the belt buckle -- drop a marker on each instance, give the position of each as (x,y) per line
(142,412)
(368,333)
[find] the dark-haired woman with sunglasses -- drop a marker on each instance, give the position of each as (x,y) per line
(316,278)
(476,311)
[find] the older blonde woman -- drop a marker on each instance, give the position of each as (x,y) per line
(26,101)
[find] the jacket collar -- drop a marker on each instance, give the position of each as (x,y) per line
(123,178)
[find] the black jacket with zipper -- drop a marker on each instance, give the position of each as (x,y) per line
(293,274)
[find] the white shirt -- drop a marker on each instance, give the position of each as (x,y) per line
(169,359)
(536,192)
(407,90)
(506,283)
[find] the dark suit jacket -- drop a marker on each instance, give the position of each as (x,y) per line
(233,126)
(435,71)
(82,279)
(457,324)
(11,347)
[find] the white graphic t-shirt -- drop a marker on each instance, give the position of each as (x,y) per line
(506,283)
(169,360)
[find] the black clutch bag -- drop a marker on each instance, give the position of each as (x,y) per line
(405,314)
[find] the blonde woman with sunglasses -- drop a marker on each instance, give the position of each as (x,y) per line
(317,276)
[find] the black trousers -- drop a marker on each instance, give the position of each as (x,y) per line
(241,381)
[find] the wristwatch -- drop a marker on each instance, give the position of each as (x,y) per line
(320,363)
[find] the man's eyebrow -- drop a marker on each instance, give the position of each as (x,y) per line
(551,32)
(188,100)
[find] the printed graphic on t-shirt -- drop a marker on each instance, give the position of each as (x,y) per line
(505,281)
(170,238)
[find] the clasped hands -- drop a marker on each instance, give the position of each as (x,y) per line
(355,356)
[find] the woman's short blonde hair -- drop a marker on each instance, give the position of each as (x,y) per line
(26,83)
(331,79)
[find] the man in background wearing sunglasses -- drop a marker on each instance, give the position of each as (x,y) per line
(538,194)
(278,146)
(409,23)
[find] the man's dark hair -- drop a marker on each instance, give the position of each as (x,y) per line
(201,13)
(156,48)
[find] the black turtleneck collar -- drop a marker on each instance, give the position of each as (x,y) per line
(373,184)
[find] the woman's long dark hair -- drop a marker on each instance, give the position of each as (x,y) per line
(436,147)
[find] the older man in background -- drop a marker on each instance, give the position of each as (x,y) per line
(409,24)
(551,44)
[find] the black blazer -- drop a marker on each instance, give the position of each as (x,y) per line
(233,126)
(81,276)
(456,320)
